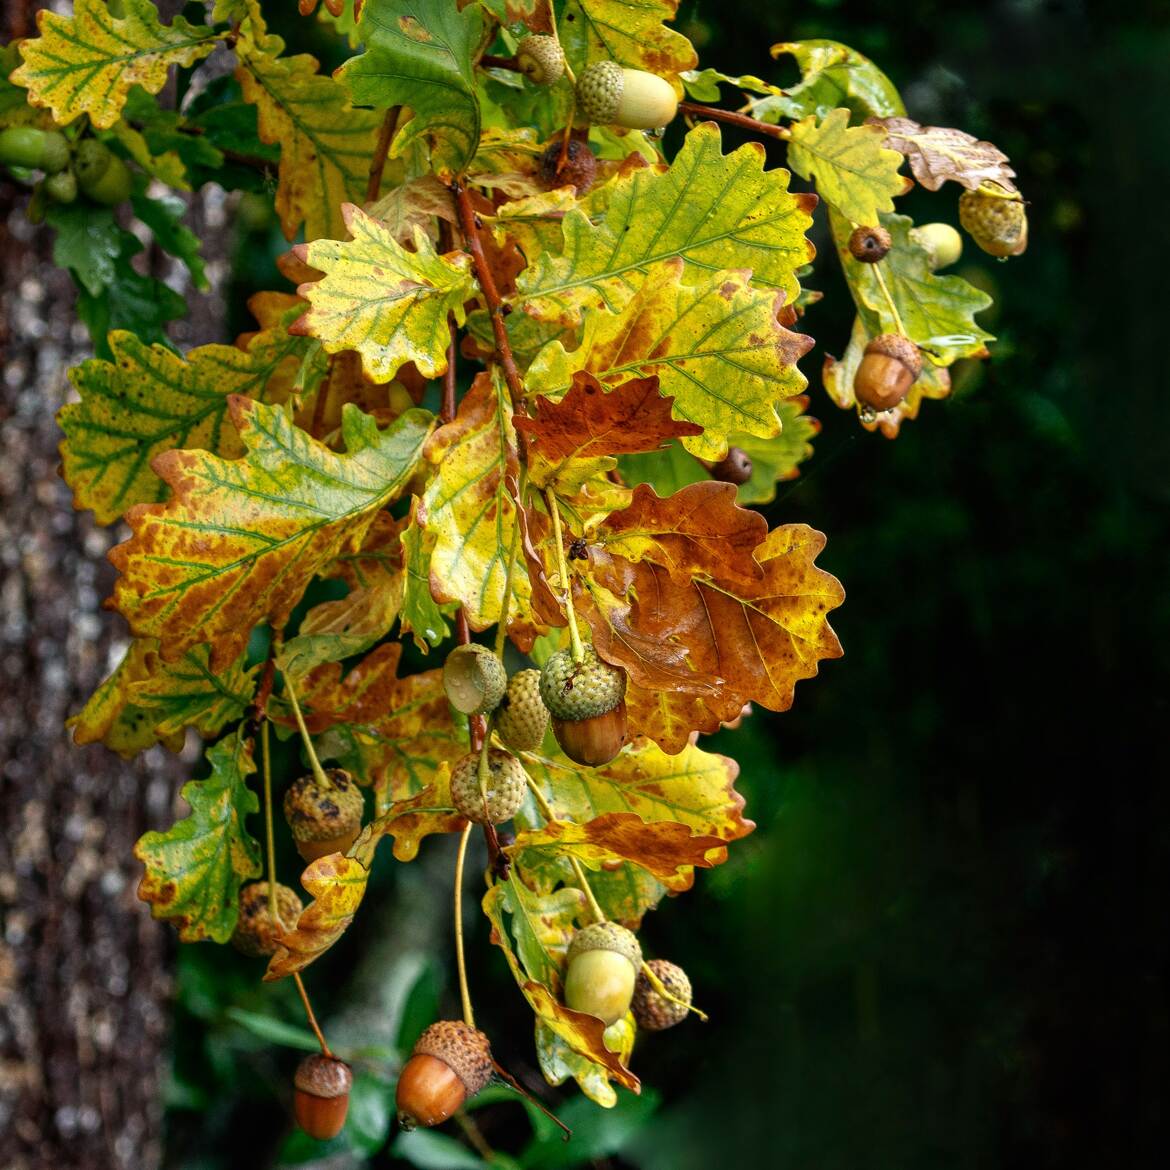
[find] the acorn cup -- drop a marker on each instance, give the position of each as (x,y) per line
(608,95)
(587,701)
(256,933)
(321,1095)
(324,818)
(603,965)
(561,166)
(995,218)
(522,718)
(869,244)
(889,367)
(474,679)
(499,796)
(541,59)
(655,1012)
(449,1065)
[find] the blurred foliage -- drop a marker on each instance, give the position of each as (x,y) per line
(945,944)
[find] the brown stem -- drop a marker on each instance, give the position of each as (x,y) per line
(310,1015)
(381,150)
(490,62)
(509,1079)
(470,224)
(697,110)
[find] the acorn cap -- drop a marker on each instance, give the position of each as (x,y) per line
(651,1010)
(503,793)
(579,690)
(599,91)
(995,218)
(522,717)
(606,936)
(318,813)
(323,1076)
(474,679)
(541,59)
(894,345)
(255,933)
(466,1051)
(869,244)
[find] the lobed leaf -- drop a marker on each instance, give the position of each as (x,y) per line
(939,153)
(87,62)
(854,171)
(147,400)
(716,346)
(195,869)
(240,539)
(388,304)
(713,211)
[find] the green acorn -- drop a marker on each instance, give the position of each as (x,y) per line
(995,218)
(501,795)
(603,965)
(101,175)
(39,150)
(942,244)
(522,717)
(474,679)
(61,187)
(609,95)
(587,701)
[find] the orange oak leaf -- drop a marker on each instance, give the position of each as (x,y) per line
(338,884)
(590,421)
(698,529)
(240,539)
(666,849)
(727,641)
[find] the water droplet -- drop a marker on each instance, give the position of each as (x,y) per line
(867,415)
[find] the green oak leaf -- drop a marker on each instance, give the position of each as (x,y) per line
(195,869)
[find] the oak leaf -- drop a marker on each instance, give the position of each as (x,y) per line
(939,153)
(239,540)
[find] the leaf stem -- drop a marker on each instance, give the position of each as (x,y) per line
(460,963)
(509,574)
(314,763)
(326,1050)
(269,837)
(697,110)
(877,271)
(497,310)
(563,569)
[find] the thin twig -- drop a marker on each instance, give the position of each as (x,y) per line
(549,814)
(381,150)
(877,271)
(464,993)
(563,569)
(311,1017)
(314,763)
(697,110)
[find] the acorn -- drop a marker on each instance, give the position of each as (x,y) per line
(578,170)
(40,150)
(324,818)
(522,717)
(604,961)
(889,367)
(321,1095)
(587,701)
(474,679)
(501,794)
(654,1012)
(101,175)
(61,187)
(255,934)
(869,244)
(610,95)
(734,467)
(449,1065)
(995,218)
(942,244)
(541,59)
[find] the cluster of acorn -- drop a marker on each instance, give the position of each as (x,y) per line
(90,168)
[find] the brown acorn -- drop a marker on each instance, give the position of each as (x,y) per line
(578,168)
(889,367)
(869,244)
(324,818)
(321,1095)
(734,467)
(255,934)
(593,741)
(449,1065)
(654,1012)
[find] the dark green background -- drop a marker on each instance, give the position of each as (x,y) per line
(945,946)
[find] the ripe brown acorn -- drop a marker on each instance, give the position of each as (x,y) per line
(449,1064)
(654,1012)
(255,934)
(889,367)
(603,963)
(321,1095)
(734,467)
(587,702)
(324,818)
(869,244)
(572,166)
